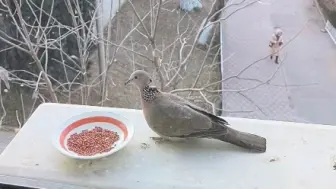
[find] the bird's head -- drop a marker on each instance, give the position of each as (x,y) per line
(140,78)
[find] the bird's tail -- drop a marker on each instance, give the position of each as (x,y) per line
(244,140)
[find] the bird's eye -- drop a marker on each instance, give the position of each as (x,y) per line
(135,77)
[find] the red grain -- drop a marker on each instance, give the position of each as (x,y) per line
(92,142)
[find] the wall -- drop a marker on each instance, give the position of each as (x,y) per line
(108,6)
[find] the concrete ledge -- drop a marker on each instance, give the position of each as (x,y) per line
(295,153)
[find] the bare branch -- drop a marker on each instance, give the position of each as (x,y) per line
(25,36)
(184,62)
(213,106)
(263,58)
(250,100)
(140,20)
(203,63)
(2,107)
(4,76)
(156,19)
(101,50)
(228,16)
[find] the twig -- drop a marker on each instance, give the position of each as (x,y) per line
(3,107)
(25,36)
(213,106)
(23,108)
(18,119)
(184,62)
(101,50)
(205,88)
(203,63)
(235,11)
(140,20)
(156,20)
(250,100)
(263,58)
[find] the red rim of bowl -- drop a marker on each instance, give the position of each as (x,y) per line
(94,119)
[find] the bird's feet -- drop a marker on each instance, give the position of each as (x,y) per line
(158,140)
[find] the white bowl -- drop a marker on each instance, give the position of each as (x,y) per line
(88,121)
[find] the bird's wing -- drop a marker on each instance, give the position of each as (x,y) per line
(186,119)
(214,118)
(198,109)
(182,101)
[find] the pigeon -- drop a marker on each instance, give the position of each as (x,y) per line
(173,117)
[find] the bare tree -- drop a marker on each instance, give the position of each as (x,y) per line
(180,49)
(173,60)
(31,49)
(41,35)
(101,46)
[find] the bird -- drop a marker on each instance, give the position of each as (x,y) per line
(172,117)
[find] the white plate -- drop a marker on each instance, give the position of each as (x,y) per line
(88,121)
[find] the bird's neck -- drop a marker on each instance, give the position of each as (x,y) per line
(149,93)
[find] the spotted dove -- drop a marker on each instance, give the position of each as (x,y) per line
(171,116)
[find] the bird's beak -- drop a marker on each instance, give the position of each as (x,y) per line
(127,82)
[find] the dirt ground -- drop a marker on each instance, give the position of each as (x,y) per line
(171,23)
(329,10)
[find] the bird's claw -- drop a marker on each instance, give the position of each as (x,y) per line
(158,140)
